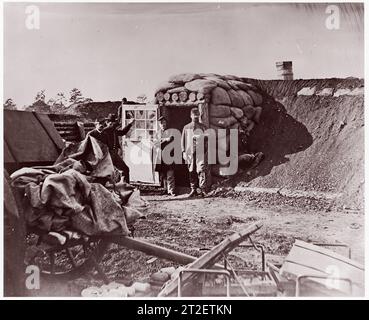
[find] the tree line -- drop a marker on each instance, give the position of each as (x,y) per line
(59,103)
(56,104)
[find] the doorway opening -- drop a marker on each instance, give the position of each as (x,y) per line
(178,117)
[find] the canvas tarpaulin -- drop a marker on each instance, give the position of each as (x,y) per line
(64,196)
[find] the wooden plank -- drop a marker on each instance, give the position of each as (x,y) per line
(49,127)
(308,259)
(211,257)
(27,139)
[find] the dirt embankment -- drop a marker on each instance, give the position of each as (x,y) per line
(312,133)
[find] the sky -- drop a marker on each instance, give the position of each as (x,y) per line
(115,50)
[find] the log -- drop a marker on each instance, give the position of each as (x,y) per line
(174,97)
(236,99)
(200,96)
(183,96)
(166,96)
(192,96)
(152,249)
(160,96)
(220,96)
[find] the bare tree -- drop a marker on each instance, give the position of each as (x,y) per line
(9,104)
(77,97)
(40,96)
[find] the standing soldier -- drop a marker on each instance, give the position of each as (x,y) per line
(166,170)
(109,136)
(194,149)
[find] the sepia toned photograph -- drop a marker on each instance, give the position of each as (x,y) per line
(175,150)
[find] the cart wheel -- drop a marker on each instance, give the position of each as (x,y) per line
(70,262)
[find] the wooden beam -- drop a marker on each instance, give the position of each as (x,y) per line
(207,260)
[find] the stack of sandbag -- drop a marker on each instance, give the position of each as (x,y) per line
(232,102)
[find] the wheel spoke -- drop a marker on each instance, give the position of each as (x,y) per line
(71,259)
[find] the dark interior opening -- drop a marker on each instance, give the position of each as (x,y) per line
(178,117)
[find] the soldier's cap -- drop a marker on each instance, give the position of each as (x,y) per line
(162,118)
(111,117)
(195,111)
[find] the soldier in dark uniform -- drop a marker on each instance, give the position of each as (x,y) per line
(109,135)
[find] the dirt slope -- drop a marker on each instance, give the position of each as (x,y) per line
(312,142)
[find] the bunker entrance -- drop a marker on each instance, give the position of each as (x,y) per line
(178,117)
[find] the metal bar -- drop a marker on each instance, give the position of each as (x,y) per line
(211,271)
(237,278)
(298,280)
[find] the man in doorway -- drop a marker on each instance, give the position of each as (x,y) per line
(106,131)
(166,170)
(194,149)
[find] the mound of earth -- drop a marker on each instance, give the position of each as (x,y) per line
(312,134)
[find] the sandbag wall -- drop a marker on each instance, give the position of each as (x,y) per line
(225,102)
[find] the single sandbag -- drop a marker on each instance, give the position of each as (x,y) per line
(177,90)
(256,97)
(257,114)
(240,85)
(247,100)
(184,77)
(233,86)
(231,77)
(201,85)
(164,86)
(236,99)
(220,82)
(237,113)
(249,111)
(223,122)
(220,96)
(219,111)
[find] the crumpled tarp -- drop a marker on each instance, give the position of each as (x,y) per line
(65,197)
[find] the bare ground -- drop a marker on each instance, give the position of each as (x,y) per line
(192,225)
